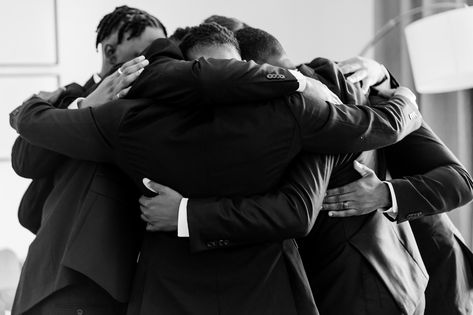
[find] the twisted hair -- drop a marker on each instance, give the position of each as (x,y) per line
(179,34)
(207,34)
(126,19)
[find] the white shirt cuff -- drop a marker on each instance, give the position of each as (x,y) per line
(301,79)
(182,226)
(392,212)
(75,103)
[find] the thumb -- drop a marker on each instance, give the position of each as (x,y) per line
(153,186)
(362,169)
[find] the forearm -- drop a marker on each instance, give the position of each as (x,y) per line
(332,128)
(440,190)
(289,212)
(32,161)
(212,81)
(73,133)
(428,178)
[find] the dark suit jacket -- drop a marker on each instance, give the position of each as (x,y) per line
(208,151)
(390,250)
(86,219)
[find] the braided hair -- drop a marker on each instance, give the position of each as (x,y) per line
(126,19)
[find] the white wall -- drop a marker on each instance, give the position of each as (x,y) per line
(307,28)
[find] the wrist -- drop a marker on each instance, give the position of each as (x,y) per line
(385,194)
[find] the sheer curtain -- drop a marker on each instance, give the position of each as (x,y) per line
(449,114)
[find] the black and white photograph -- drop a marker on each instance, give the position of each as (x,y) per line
(258,157)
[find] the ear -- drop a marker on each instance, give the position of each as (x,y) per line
(109,51)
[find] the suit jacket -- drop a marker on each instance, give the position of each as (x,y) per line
(389,250)
(37,163)
(66,205)
(187,146)
(422,165)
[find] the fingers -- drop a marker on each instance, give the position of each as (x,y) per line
(338,206)
(362,169)
(358,75)
(123,92)
(129,79)
(145,218)
(338,192)
(406,93)
(350,65)
(133,61)
(153,186)
(341,197)
(345,213)
(127,69)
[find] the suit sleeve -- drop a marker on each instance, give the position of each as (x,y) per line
(428,178)
(215,82)
(35,162)
(85,134)
(289,212)
(330,128)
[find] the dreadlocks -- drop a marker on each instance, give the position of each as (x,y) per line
(126,19)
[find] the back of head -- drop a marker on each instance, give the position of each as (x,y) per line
(258,45)
(208,35)
(232,24)
(179,34)
(126,20)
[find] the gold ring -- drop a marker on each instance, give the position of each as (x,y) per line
(120,71)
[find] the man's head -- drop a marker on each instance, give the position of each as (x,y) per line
(262,47)
(179,34)
(210,41)
(125,33)
(232,24)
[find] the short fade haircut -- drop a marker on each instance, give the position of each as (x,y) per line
(126,19)
(208,34)
(232,24)
(258,45)
(179,34)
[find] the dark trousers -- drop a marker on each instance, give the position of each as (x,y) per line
(79,299)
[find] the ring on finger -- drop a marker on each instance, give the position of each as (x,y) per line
(345,205)
(120,71)
(118,95)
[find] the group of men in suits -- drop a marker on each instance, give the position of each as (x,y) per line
(254,146)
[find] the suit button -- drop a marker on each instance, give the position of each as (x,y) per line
(414,215)
(270,76)
(211,244)
(223,243)
(80,311)
(412,115)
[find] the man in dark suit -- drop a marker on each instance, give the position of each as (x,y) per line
(66,202)
(337,290)
(64,206)
(189,149)
(447,258)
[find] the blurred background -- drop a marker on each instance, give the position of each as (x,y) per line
(48,43)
